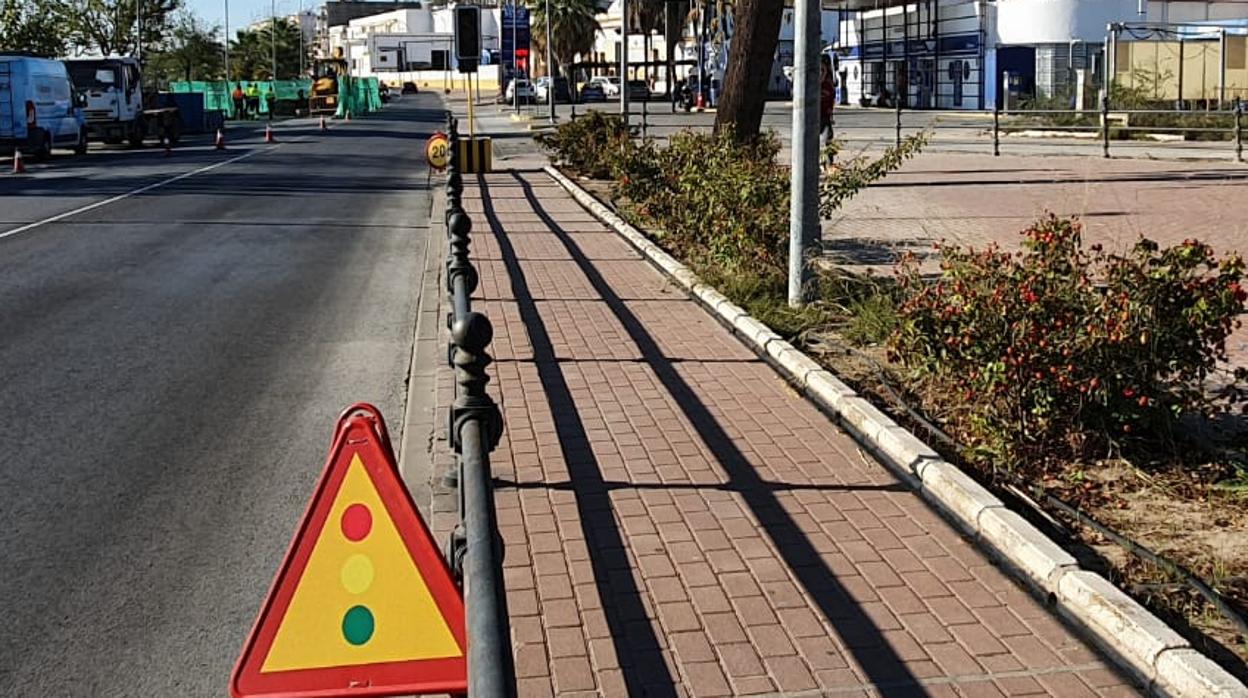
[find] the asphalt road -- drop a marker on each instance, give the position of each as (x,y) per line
(171,366)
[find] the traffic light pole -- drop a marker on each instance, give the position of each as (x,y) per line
(624,61)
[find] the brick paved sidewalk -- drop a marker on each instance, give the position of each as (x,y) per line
(679,522)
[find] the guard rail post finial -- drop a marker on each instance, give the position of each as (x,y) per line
(1105,124)
(996,131)
(472,334)
(897,140)
(1239,130)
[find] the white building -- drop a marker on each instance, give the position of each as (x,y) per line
(958,54)
(607,48)
(416,45)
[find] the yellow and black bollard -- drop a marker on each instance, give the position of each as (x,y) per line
(475,154)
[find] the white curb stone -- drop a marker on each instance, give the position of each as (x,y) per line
(955,491)
(1190,673)
(1135,634)
(755,331)
(1025,547)
(827,390)
(1138,640)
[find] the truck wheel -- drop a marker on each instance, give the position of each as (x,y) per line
(136,134)
(173,132)
(81,148)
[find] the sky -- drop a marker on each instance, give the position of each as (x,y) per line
(243,12)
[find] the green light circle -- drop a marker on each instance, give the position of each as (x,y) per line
(357,625)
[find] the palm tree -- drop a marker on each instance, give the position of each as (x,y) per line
(573,25)
(251,53)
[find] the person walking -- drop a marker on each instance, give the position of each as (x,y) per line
(827,103)
(239,101)
(270,101)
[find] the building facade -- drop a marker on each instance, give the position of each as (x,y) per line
(974,54)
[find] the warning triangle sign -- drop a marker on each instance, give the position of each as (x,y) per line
(363,604)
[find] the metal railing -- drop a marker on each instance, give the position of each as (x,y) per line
(1101,130)
(475,427)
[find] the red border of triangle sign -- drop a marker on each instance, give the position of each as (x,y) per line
(363,604)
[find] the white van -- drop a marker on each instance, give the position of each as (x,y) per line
(39,109)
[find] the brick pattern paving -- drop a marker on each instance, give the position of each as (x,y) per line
(679,522)
(977,200)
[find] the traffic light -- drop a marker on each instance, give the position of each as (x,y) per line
(467,38)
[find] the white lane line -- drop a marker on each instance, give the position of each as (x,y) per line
(136,192)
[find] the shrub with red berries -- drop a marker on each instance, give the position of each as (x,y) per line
(1055,351)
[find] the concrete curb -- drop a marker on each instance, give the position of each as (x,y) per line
(1136,639)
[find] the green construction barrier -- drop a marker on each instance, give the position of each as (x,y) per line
(218,94)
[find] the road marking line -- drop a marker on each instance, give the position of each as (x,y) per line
(136,192)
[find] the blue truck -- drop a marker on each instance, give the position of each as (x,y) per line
(39,109)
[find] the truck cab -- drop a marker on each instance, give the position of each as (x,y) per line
(115,110)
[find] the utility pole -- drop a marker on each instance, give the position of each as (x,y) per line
(138,32)
(515,48)
(273,39)
(227,49)
(624,61)
(804,183)
(302,48)
(550,68)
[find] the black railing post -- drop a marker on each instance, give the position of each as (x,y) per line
(897,139)
(996,131)
(1105,126)
(1239,130)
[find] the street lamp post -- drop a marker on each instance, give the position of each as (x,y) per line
(804,183)
(227,46)
(624,61)
(550,68)
(273,37)
(515,48)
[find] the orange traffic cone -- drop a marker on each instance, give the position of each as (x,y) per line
(220,140)
(268,134)
(19,166)
(323,126)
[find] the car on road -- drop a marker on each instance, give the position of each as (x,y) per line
(610,85)
(563,93)
(39,109)
(638,91)
(520,89)
(592,93)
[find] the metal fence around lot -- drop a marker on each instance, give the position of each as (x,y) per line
(1216,133)
(475,550)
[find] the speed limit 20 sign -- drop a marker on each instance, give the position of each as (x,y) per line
(438,151)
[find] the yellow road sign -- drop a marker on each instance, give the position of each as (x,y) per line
(438,151)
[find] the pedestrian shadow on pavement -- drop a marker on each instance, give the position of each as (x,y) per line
(858,633)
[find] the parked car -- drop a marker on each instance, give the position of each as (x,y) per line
(521,89)
(592,93)
(638,91)
(610,85)
(39,108)
(563,94)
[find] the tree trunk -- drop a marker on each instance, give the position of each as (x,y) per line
(756,31)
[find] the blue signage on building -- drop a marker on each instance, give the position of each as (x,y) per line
(515,36)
